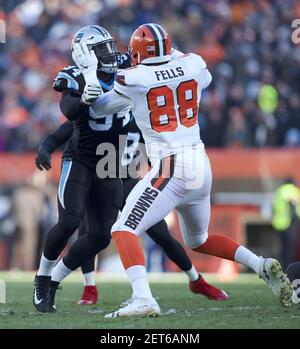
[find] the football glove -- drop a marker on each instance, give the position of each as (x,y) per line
(87,62)
(90,94)
(43,160)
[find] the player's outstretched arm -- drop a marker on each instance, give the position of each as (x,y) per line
(111,102)
(51,143)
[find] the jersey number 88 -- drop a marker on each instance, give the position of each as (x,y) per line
(161,104)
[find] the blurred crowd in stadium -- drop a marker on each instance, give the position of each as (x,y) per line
(254,100)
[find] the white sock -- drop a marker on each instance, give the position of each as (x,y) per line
(192,274)
(89,279)
(248,258)
(46,266)
(60,272)
(139,281)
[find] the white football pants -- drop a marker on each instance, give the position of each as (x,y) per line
(181,181)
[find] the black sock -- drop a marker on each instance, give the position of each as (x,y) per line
(173,249)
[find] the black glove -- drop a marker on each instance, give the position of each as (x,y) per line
(43,159)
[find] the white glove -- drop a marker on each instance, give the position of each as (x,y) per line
(87,62)
(90,94)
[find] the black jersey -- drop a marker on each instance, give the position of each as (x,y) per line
(130,150)
(134,154)
(90,129)
(134,140)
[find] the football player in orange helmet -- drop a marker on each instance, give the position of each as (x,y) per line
(150,44)
(164,92)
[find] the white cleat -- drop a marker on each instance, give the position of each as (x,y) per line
(271,272)
(137,307)
(126,302)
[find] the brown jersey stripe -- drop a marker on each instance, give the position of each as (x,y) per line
(171,172)
(166,171)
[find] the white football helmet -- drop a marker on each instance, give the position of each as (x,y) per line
(102,43)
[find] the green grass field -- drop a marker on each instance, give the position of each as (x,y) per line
(251,305)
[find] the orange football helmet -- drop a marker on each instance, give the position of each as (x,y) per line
(150,44)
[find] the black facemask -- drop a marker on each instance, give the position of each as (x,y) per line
(108,56)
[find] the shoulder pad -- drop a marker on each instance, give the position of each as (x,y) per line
(126,78)
(196,59)
(68,78)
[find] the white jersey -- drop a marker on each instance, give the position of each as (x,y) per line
(164,100)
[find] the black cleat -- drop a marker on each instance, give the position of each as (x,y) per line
(41,293)
(54,286)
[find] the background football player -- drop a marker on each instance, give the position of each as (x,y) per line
(164,94)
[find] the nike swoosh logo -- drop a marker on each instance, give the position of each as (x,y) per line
(36,300)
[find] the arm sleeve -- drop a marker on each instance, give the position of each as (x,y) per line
(111,102)
(57,138)
(71,106)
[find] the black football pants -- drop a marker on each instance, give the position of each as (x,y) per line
(82,194)
(158,233)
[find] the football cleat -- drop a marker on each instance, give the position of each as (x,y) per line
(126,302)
(41,293)
(89,296)
(200,286)
(54,286)
(144,307)
(271,272)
